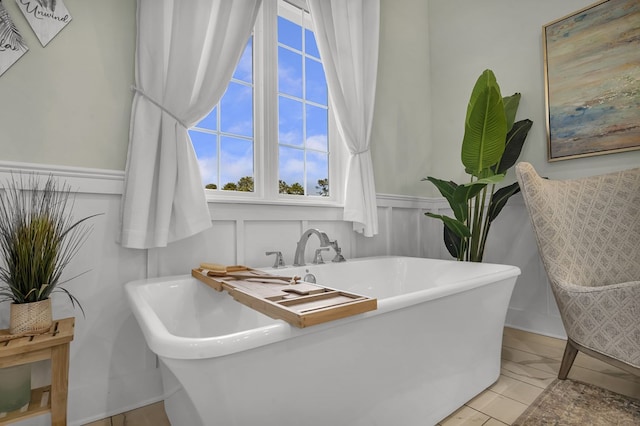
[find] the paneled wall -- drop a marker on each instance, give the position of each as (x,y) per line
(243,233)
(112,370)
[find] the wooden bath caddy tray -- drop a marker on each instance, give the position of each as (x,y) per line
(301,304)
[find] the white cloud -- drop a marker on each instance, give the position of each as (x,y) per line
(290,80)
(235,166)
(291,169)
(315,167)
(317,142)
(241,128)
(238,167)
(290,138)
(293,166)
(208,170)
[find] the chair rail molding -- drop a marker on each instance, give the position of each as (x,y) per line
(81,179)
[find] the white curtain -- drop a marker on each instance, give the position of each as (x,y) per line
(186,53)
(347,37)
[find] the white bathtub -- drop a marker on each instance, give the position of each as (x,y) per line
(433,343)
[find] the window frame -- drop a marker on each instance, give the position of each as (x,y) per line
(265,122)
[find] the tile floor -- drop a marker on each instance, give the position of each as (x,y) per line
(530,362)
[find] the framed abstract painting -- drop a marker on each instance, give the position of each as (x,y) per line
(592,80)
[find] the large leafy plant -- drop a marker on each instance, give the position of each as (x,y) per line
(491,145)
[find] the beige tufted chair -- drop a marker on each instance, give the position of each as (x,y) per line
(588,235)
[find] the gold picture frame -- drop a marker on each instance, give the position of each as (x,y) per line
(592,80)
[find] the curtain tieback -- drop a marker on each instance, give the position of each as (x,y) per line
(360,152)
(159,105)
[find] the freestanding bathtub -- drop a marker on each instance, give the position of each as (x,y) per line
(433,343)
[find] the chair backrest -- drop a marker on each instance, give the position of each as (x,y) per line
(587,229)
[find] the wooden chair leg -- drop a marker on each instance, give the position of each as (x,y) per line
(570,352)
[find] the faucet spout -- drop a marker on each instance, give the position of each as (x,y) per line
(298,259)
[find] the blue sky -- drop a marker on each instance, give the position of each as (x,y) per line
(297,117)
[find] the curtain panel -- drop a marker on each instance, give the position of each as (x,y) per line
(186,52)
(347,34)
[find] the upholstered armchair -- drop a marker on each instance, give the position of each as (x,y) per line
(588,236)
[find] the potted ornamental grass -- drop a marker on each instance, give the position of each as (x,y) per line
(38,239)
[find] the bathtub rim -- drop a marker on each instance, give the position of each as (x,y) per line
(168,345)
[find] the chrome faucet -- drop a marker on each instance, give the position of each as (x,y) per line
(279,260)
(317,259)
(298,259)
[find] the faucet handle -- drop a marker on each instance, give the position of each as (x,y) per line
(338,257)
(317,259)
(279,260)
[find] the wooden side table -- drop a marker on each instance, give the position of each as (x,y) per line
(53,345)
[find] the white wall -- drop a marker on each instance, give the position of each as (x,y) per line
(68,105)
(110,368)
(400,145)
(70,101)
(466,37)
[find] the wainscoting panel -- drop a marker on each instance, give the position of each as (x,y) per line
(113,371)
(217,244)
(406,234)
(511,241)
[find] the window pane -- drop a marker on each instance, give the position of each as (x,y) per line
(310,46)
(289,72)
(291,170)
(315,82)
(317,128)
(210,122)
(224,139)
(244,70)
(236,162)
(303,121)
(206,147)
(236,110)
(317,173)
(289,33)
(290,121)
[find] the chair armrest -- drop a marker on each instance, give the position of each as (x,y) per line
(630,288)
(604,319)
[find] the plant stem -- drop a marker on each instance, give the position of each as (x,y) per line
(476,233)
(487,223)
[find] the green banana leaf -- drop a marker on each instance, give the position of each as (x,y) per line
(447,189)
(453,243)
(511,104)
(513,147)
(485,126)
(499,199)
(457,227)
(466,192)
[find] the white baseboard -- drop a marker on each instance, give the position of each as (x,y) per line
(125,393)
(546,325)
